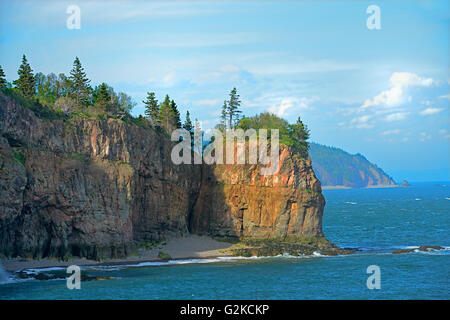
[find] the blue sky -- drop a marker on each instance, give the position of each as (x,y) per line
(383,93)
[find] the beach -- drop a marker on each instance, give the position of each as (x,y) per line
(186,247)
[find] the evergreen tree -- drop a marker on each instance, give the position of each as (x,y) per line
(175,115)
(81,90)
(151,107)
(165,113)
(2,78)
(300,134)
(26,80)
(233,108)
(102,97)
(224,116)
(188,123)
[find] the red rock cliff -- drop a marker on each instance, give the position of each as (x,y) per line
(95,188)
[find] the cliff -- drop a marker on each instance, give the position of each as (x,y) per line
(335,167)
(99,188)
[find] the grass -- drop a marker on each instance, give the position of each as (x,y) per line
(164,256)
(18,156)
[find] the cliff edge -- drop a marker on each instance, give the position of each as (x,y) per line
(101,188)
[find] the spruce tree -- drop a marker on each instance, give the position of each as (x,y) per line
(151,107)
(2,78)
(165,112)
(175,115)
(102,97)
(233,108)
(26,80)
(224,116)
(188,123)
(300,134)
(81,89)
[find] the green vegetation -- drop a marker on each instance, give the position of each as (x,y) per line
(230,111)
(25,83)
(3,82)
(293,135)
(19,156)
(335,167)
(64,97)
(164,256)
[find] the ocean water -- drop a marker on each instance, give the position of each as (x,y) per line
(374,221)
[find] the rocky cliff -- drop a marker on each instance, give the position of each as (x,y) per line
(97,188)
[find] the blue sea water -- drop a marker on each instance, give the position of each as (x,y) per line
(375,221)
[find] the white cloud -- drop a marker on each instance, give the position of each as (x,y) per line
(430,111)
(282,105)
(397,116)
(392,132)
(445,96)
(361,122)
(395,96)
(207,102)
(424,136)
(167,80)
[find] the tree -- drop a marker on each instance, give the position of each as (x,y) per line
(175,114)
(233,108)
(2,78)
(165,112)
(188,126)
(151,107)
(125,103)
(224,116)
(300,134)
(188,123)
(26,80)
(63,85)
(230,110)
(81,90)
(102,97)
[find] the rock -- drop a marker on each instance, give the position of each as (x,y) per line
(430,248)
(236,201)
(402,251)
(425,248)
(405,183)
(95,188)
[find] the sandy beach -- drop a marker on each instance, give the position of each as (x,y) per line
(188,247)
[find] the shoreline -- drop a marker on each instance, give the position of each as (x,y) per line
(179,248)
(377,186)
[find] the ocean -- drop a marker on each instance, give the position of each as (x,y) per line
(375,222)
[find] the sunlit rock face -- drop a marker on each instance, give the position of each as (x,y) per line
(96,188)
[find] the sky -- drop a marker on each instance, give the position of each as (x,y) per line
(381,92)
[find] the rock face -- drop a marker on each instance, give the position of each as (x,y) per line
(96,188)
(236,201)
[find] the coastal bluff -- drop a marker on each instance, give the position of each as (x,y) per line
(100,188)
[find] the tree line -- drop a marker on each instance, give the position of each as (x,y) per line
(74,95)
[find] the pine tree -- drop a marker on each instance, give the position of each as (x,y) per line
(81,90)
(175,115)
(224,116)
(102,97)
(164,112)
(26,80)
(300,134)
(233,108)
(2,78)
(188,123)
(151,107)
